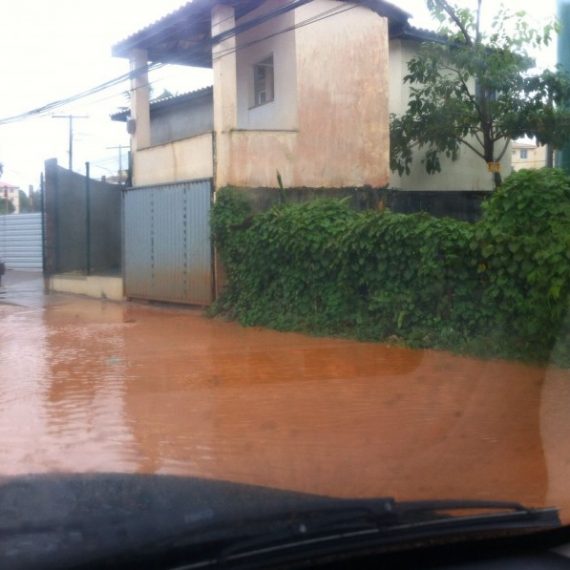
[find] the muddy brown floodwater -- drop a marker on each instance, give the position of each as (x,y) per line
(87,386)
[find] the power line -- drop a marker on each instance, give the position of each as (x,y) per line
(312,20)
(122,78)
(45,109)
(48,107)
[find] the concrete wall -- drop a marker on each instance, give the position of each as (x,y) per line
(181,121)
(140,100)
(469,172)
(96,286)
(341,83)
(282,112)
(461,205)
(187,159)
(257,156)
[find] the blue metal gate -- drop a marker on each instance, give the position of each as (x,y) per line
(167,243)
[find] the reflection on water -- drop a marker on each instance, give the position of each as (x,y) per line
(89,386)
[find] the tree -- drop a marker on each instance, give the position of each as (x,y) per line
(6,206)
(36,200)
(25,205)
(478,90)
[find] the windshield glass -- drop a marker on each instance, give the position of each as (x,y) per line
(279,253)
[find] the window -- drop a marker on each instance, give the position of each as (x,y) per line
(263,82)
(524,153)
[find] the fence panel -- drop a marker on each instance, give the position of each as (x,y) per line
(83,223)
(21,241)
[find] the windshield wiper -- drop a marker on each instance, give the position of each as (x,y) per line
(347,526)
(386,521)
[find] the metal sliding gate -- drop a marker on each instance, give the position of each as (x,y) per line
(167,243)
(21,241)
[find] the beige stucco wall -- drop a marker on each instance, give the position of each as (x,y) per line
(187,159)
(469,172)
(95,286)
(258,156)
(342,86)
(342,109)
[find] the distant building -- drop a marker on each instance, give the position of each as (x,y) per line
(12,194)
(527,155)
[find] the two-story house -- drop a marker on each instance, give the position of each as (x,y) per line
(300,87)
(300,93)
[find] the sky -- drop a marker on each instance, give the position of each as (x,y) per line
(56,48)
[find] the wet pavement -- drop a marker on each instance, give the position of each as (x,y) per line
(22,288)
(95,387)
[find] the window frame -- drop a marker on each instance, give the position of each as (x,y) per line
(267,63)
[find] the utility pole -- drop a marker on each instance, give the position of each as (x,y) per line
(120,149)
(70,119)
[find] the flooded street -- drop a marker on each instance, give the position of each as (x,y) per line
(90,386)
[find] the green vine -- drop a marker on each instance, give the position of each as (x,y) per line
(499,287)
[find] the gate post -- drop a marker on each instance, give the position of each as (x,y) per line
(50,219)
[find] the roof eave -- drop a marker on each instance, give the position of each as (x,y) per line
(165,103)
(191,11)
(407,32)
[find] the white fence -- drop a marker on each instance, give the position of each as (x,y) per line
(21,241)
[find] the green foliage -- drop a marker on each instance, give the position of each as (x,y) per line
(532,202)
(6,206)
(478,90)
(524,243)
(25,205)
(496,288)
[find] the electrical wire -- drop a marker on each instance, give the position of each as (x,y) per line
(314,19)
(50,107)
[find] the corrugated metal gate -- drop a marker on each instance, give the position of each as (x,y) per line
(167,244)
(21,241)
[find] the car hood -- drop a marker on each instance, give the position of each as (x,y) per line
(49,521)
